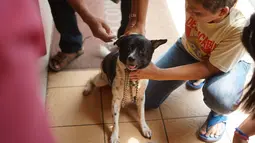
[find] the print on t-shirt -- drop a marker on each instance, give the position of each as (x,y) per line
(198,43)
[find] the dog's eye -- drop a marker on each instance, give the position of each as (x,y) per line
(132,46)
(142,52)
(130,49)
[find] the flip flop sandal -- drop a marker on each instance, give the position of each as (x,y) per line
(212,120)
(63,60)
(190,84)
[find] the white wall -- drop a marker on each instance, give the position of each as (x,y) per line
(47,22)
(253,3)
(177,11)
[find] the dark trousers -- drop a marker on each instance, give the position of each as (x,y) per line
(66,24)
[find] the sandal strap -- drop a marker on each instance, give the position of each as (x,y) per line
(63,60)
(59,58)
(214,119)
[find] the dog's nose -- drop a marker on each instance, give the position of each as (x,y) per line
(131,59)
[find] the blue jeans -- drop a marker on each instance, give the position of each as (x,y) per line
(221,92)
(66,24)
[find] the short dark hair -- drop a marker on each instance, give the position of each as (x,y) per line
(214,5)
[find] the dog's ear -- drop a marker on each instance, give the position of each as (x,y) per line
(157,43)
(118,41)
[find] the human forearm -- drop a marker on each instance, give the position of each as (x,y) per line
(133,13)
(134,7)
(139,11)
(248,126)
(186,72)
(137,17)
(98,27)
(142,8)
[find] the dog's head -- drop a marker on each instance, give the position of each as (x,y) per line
(135,51)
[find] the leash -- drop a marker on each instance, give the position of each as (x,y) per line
(130,84)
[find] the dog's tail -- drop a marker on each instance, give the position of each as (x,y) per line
(106,49)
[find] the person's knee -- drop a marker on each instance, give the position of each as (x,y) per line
(156,93)
(151,105)
(219,99)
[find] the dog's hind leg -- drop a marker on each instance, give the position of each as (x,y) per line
(144,127)
(98,81)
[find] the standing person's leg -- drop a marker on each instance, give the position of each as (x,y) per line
(71,38)
(158,91)
(125,11)
(222,94)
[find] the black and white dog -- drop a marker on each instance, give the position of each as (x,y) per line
(135,52)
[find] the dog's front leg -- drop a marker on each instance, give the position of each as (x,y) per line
(116,105)
(144,127)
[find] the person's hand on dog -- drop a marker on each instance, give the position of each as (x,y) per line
(150,72)
(135,28)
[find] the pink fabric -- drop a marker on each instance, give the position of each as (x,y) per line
(22,117)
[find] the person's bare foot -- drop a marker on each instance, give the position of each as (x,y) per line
(214,131)
(198,82)
(195,84)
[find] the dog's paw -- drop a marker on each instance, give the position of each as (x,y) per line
(146,131)
(114,138)
(85,93)
(87,89)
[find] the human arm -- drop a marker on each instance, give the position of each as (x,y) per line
(98,27)
(247,127)
(138,15)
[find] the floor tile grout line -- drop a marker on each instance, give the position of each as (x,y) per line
(75,70)
(176,118)
(98,124)
(164,125)
(80,125)
(102,110)
(125,122)
(65,86)
(135,121)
